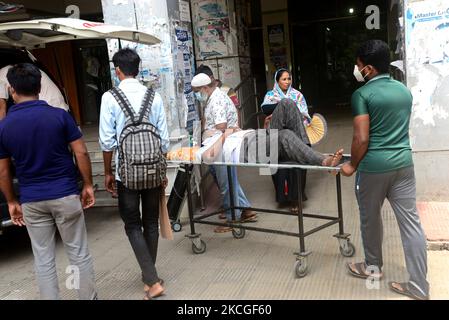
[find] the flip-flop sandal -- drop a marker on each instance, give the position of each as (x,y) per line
(360,271)
(150,297)
(222,216)
(252,218)
(405,290)
(222,229)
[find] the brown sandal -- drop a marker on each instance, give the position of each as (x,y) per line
(405,290)
(222,216)
(222,229)
(150,297)
(358,270)
(252,217)
(147,292)
(294,210)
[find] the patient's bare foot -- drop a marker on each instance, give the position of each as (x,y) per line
(334,160)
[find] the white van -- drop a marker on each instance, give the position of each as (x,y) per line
(17,38)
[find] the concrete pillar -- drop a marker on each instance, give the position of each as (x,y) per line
(427,72)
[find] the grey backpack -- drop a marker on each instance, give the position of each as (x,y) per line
(142,164)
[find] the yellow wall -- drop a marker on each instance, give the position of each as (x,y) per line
(274,12)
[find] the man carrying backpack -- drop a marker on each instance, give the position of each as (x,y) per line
(132,123)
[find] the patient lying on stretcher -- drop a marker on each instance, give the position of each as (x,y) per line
(294,144)
(285,140)
(288,150)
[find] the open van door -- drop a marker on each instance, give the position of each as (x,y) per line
(33,34)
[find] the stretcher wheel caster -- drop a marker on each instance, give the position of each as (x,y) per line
(301,268)
(199,249)
(347,249)
(238,233)
(176,226)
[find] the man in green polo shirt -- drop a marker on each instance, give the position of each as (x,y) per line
(381,155)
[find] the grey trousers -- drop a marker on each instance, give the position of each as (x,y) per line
(293,139)
(66,214)
(399,187)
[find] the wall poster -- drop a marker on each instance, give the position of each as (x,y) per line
(277,46)
(184,52)
(427,54)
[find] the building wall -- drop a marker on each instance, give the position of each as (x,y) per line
(183,60)
(427,71)
(163,66)
(243,17)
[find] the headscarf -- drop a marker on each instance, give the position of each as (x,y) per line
(276,95)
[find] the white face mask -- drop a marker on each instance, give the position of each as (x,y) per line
(358,74)
(201,96)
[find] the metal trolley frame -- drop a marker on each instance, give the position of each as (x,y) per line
(301,267)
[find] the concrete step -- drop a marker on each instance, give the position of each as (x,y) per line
(98,167)
(96,155)
(93,146)
(102,194)
(98,179)
(106,202)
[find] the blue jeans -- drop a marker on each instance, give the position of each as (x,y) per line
(240,199)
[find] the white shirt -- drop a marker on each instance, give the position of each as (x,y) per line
(220,109)
(49,91)
(112,118)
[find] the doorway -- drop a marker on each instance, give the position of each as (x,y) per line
(93,77)
(324,49)
(81,70)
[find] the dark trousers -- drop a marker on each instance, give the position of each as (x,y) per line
(294,144)
(142,229)
(289,177)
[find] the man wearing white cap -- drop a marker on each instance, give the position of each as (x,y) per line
(220,114)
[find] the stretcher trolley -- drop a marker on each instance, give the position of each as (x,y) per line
(177,198)
(301,267)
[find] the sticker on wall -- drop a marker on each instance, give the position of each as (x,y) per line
(184,10)
(184,75)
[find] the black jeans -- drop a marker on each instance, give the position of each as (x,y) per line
(142,230)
